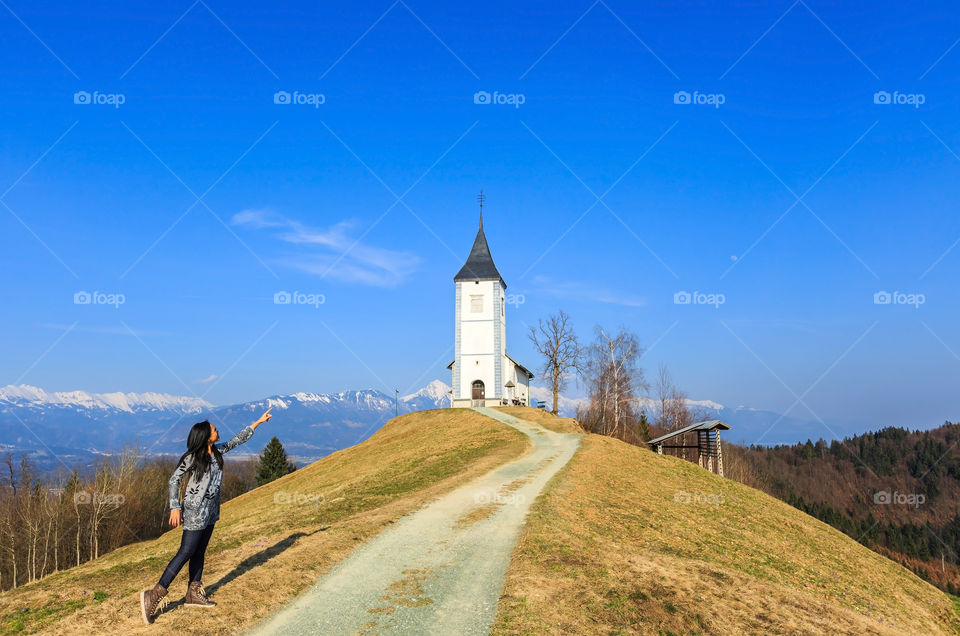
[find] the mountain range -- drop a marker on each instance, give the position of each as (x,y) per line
(75,427)
(65,429)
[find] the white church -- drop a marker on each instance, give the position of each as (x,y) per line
(483,373)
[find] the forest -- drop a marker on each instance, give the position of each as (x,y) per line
(893,490)
(51,522)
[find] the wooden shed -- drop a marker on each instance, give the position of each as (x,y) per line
(708,443)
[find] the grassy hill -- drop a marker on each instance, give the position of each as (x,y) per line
(627,541)
(264,550)
(622,541)
(837,482)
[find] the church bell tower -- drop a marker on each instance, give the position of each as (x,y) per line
(483,374)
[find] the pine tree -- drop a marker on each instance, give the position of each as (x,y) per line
(643,426)
(273,463)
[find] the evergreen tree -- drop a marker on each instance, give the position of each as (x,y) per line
(273,463)
(643,427)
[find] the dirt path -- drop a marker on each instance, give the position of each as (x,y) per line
(440,569)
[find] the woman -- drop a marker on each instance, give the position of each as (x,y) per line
(202,464)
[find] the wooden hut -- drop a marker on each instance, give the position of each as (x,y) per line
(708,443)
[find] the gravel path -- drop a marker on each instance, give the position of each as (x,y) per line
(440,569)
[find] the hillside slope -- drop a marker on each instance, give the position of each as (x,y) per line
(627,541)
(895,490)
(274,541)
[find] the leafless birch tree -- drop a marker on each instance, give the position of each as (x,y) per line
(558,344)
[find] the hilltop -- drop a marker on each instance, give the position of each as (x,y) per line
(621,541)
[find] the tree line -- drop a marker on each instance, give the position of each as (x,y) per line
(893,490)
(836,481)
(609,367)
(54,521)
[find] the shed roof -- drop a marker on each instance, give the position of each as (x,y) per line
(707,425)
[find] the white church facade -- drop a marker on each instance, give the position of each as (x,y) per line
(483,373)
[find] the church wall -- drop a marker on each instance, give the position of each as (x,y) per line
(476,338)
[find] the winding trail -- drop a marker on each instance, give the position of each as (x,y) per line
(439,570)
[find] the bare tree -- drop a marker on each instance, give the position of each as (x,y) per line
(558,344)
(614,379)
(675,411)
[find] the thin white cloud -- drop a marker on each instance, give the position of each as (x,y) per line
(333,252)
(207,380)
(572,290)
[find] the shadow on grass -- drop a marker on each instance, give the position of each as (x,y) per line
(258,559)
(252,561)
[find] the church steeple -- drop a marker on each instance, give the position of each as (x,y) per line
(479,265)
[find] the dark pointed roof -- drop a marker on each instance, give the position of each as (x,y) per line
(479,265)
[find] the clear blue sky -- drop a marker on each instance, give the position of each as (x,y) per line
(303,198)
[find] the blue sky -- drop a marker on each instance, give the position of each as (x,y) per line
(198,198)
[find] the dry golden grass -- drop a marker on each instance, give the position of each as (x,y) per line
(264,553)
(543,418)
(609,549)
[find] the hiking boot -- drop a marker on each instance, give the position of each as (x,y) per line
(196,596)
(149,601)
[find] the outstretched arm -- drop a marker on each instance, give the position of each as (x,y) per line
(245,434)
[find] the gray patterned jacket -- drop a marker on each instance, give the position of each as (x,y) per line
(201,503)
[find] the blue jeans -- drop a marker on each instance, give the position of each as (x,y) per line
(193,545)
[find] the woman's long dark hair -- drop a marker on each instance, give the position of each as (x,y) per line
(197,443)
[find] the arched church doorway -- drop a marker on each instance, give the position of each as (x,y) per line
(478,393)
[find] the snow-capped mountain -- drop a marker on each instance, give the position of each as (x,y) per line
(748,425)
(66,428)
(435,395)
(33,397)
